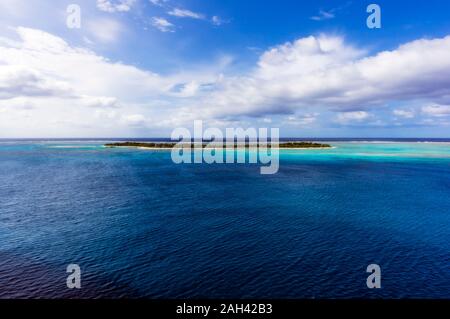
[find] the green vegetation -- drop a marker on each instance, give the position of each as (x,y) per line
(299,144)
(141,144)
(303,145)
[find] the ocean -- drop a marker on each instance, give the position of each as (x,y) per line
(140,226)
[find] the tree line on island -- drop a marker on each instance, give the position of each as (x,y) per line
(163,145)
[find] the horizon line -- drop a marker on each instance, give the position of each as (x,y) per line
(168,138)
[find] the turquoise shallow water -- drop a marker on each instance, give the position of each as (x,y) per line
(141,226)
(383,151)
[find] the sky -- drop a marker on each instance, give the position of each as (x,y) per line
(141,68)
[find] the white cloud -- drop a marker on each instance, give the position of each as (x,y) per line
(189,89)
(72,91)
(100,101)
(162,24)
(115,6)
(26,81)
(436,110)
(81,70)
(105,30)
(63,87)
(302,120)
(349,117)
(323,15)
(17,103)
(15,8)
(216,20)
(408,114)
(184,13)
(158,3)
(327,72)
(134,120)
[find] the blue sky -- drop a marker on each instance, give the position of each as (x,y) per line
(144,67)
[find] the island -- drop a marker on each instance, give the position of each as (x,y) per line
(169,145)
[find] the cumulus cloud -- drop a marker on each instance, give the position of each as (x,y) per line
(187,89)
(408,114)
(17,103)
(348,117)
(134,120)
(21,81)
(83,71)
(41,74)
(100,101)
(437,110)
(59,83)
(327,72)
(74,91)
(105,30)
(301,120)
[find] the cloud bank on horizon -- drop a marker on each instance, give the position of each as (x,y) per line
(55,84)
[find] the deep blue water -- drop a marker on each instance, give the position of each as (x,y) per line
(141,226)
